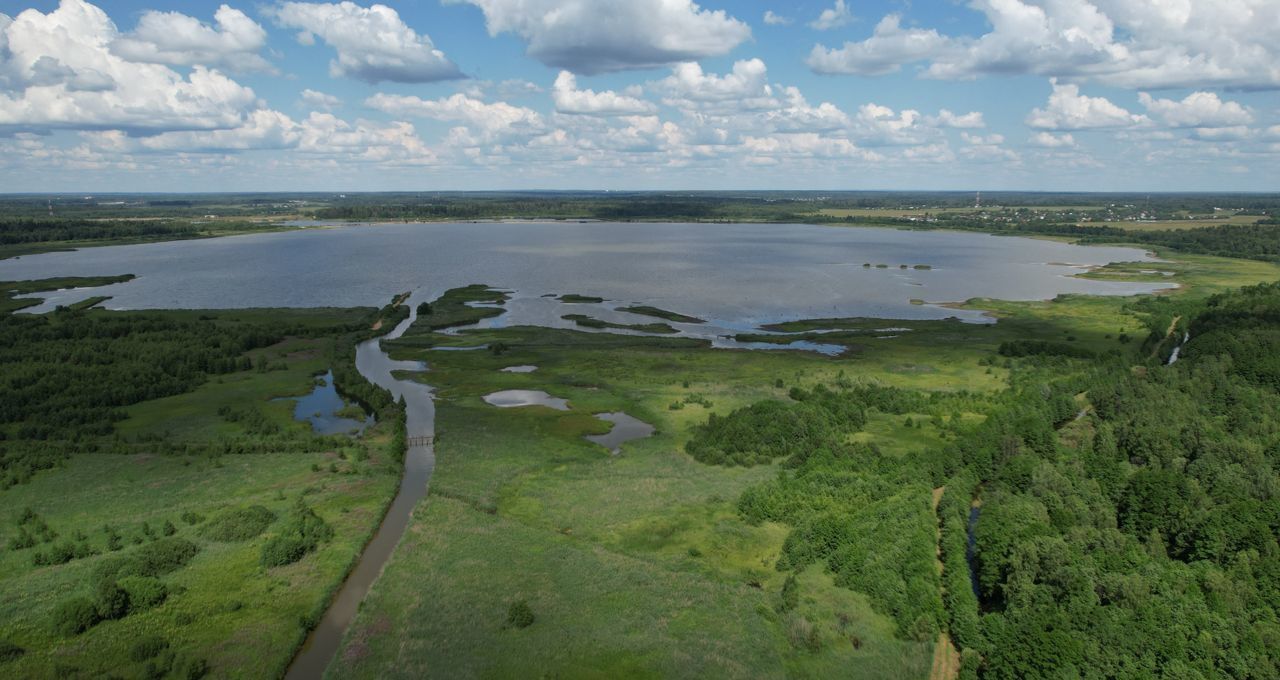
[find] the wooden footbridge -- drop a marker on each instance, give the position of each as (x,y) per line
(420,441)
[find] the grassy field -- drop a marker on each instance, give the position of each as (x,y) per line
(636,565)
(1165,225)
(1196,275)
(894,212)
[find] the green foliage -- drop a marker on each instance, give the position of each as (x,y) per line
(1255,242)
(519,615)
(110,601)
(74,616)
(576,298)
(10,651)
(153,559)
(790,595)
(761,432)
(646,310)
(238,524)
(144,592)
(1027,348)
(803,634)
(959,598)
(302,532)
(1142,553)
(147,648)
(67,374)
(453,308)
(592,322)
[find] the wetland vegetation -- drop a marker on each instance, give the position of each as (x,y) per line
(788,514)
(165,516)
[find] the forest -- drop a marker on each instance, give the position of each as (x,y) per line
(1124,519)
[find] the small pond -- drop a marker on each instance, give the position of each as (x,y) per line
(514,398)
(625,429)
(327,411)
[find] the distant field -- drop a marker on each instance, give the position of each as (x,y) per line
(893,212)
(1165,225)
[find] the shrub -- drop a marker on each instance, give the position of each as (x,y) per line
(302,532)
(148,648)
(192,518)
(10,651)
(760,432)
(803,634)
(1026,348)
(153,559)
(790,593)
(192,669)
(282,550)
(239,524)
(74,616)
(145,592)
(519,615)
(111,601)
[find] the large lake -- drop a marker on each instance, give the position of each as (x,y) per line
(734,275)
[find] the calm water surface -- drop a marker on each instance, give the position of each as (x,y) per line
(734,275)
(321,407)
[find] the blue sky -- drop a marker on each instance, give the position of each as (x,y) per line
(1147,95)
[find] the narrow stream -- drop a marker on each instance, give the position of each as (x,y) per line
(1173,356)
(971,550)
(377,367)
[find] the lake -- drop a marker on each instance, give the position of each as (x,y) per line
(735,276)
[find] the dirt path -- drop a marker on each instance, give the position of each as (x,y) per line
(1172,326)
(946,658)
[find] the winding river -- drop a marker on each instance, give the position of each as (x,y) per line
(420,413)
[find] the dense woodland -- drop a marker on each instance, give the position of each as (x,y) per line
(68,374)
(1125,518)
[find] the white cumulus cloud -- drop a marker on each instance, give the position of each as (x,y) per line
(569,99)
(373,43)
(175,38)
(597,36)
(485,121)
(1198,109)
(1124,43)
(745,88)
(1070,110)
(888,48)
(57,70)
(1048,140)
(773,19)
(320,100)
(833,17)
(965,121)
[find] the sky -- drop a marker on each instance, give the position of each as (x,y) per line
(434,95)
